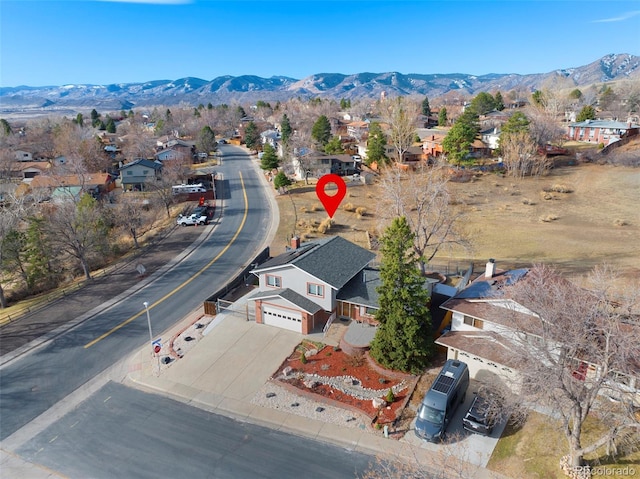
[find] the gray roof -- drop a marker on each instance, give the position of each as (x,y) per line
(288,295)
(333,260)
(362,288)
(143,162)
(621,125)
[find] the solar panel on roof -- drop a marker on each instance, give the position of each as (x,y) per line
(443,384)
(514,275)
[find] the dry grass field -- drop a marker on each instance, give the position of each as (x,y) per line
(575,218)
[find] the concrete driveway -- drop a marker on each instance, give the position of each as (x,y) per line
(473,448)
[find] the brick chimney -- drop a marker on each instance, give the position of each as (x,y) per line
(490,271)
(295,242)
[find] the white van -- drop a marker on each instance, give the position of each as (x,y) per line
(179,189)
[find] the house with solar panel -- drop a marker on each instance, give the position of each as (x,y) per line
(479,334)
(488,327)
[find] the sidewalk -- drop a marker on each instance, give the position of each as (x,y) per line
(230,364)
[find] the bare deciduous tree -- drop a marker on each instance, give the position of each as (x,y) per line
(520,155)
(135,215)
(423,198)
(78,229)
(575,346)
(400,114)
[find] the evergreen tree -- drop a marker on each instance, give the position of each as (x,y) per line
(196,112)
(101,125)
(403,340)
(241,112)
(206,140)
(538,98)
(483,103)
(457,143)
(321,131)
(94,115)
(251,136)
(575,94)
(281,181)
(285,129)
(110,126)
(79,120)
(376,144)
(587,113)
(517,122)
(442,117)
(334,146)
(499,102)
(426,109)
(41,270)
(269,159)
(5,127)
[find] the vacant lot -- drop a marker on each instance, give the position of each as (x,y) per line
(576,217)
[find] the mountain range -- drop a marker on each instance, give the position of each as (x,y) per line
(248,88)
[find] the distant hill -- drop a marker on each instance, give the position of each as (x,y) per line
(249,88)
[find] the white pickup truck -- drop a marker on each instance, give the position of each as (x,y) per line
(192,220)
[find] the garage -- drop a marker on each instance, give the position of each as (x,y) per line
(282,318)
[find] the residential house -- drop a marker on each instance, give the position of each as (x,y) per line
(136,175)
(483,335)
(494,118)
(272,137)
(491,137)
(22,155)
(63,186)
(601,131)
(433,146)
(299,290)
(318,164)
(358,129)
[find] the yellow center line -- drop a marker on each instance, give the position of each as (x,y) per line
(171,293)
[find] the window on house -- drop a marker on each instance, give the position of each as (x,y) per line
(371,311)
(129,172)
(274,281)
(145,172)
(315,289)
(324,161)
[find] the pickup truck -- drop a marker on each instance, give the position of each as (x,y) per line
(192,220)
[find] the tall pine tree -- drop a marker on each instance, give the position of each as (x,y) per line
(403,340)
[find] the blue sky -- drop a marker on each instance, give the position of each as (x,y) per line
(101,42)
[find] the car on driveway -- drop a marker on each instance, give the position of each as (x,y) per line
(194,219)
(481,416)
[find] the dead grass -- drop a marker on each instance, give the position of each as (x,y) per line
(534,450)
(506,227)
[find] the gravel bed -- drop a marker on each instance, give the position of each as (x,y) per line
(284,400)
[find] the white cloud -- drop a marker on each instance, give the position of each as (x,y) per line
(621,18)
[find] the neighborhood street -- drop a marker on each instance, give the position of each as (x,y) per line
(34,380)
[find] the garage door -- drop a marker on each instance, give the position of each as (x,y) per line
(282,318)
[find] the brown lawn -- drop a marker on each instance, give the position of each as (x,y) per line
(591,218)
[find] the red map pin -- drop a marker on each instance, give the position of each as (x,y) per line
(331,202)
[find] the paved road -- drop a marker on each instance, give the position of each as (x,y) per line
(122,432)
(32,383)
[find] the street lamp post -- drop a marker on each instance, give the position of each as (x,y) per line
(153,352)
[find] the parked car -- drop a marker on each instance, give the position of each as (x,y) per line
(480,418)
(192,220)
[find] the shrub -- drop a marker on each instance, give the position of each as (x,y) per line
(349,207)
(600,146)
(361,210)
(303,358)
(325,225)
(527,201)
(390,397)
(557,188)
(548,218)
(303,209)
(336,348)
(620,222)
(355,360)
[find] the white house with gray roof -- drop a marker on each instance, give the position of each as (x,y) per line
(300,289)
